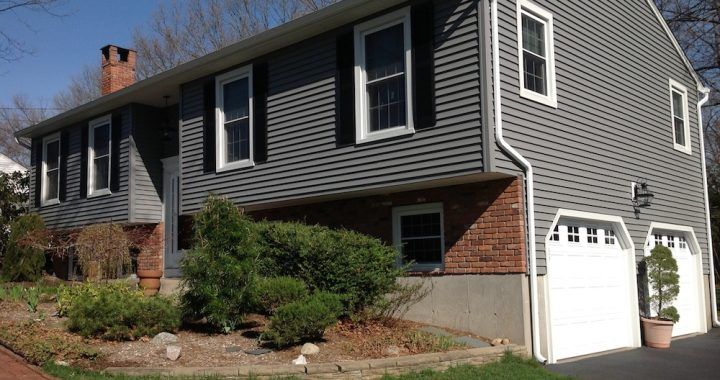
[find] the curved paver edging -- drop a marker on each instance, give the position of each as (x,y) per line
(356,369)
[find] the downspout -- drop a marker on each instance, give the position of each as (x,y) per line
(713,297)
(527,168)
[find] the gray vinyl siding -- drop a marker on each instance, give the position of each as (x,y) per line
(613,123)
(76,211)
(303,158)
(147,150)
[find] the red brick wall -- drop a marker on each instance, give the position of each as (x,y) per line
(149,239)
(484,222)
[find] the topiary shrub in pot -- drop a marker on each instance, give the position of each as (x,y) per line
(663,282)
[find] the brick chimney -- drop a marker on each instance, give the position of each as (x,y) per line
(118,68)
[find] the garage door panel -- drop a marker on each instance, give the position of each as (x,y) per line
(589,295)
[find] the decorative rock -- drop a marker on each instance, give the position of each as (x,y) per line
(61,363)
(164,339)
(496,342)
(505,341)
(257,351)
(391,351)
(309,349)
(300,360)
(172,352)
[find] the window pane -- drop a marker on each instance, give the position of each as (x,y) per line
(101,171)
(679,131)
(422,225)
(384,52)
(101,140)
(51,155)
(235,99)
(387,103)
(237,138)
(533,35)
(534,73)
(678,109)
(52,184)
(422,251)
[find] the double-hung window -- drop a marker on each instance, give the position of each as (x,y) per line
(233,117)
(383,104)
(418,235)
(536,55)
(679,112)
(99,156)
(50,185)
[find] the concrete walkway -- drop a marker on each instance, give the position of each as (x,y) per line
(12,367)
(696,357)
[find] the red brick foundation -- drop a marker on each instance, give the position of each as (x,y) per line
(484,222)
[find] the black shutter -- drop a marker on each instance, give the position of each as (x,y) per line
(36,158)
(64,153)
(115,139)
(84,162)
(260,89)
(345,90)
(423,67)
(209,125)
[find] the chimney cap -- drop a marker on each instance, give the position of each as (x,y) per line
(108,46)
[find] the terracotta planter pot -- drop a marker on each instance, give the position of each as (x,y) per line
(149,281)
(657,333)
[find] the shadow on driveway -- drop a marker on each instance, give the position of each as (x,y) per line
(697,357)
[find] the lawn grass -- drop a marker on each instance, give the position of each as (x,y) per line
(509,367)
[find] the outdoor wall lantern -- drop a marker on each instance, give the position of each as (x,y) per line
(641,196)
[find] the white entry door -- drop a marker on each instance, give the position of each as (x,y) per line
(171,207)
(589,290)
(689,300)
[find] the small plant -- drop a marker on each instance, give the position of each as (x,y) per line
(32,298)
(218,271)
(102,251)
(663,281)
(68,295)
(109,313)
(393,307)
(24,258)
(304,320)
(274,292)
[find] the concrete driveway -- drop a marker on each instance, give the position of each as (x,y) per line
(696,357)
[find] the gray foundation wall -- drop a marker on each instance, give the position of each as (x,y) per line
(491,306)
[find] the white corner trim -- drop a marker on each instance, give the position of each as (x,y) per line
(546,18)
(422,208)
(220,146)
(362,133)
(675,86)
(675,43)
(100,121)
(628,247)
(43,170)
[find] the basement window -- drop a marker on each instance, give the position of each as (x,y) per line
(418,235)
(99,155)
(233,117)
(50,185)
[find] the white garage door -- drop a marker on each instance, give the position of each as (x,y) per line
(589,290)
(688,301)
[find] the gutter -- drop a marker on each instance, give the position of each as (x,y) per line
(713,296)
(530,195)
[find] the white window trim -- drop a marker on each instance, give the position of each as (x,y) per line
(220,145)
(425,208)
(546,18)
(107,119)
(362,133)
(675,86)
(43,182)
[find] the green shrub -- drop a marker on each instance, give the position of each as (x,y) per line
(67,295)
(304,320)
(663,281)
(113,314)
(218,271)
(273,292)
(24,259)
(359,267)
